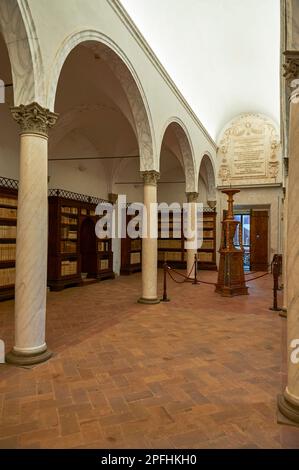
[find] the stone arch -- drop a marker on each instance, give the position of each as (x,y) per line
(187,151)
(207,172)
(18,30)
(124,71)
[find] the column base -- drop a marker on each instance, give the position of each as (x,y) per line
(29,359)
(288,413)
(283,313)
(148,301)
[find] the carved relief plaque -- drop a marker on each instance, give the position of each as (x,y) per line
(249,151)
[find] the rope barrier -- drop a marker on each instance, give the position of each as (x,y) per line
(257,277)
(168,270)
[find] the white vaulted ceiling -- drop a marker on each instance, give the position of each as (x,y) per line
(222,54)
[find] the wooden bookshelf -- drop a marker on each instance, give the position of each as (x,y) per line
(171,240)
(131,252)
(172,249)
(75,254)
(8,234)
(207,252)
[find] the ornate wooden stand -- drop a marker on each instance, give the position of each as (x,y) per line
(231,279)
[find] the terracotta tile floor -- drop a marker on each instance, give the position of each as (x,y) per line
(198,372)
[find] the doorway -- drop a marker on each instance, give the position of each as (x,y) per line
(255,234)
(88,249)
(243,232)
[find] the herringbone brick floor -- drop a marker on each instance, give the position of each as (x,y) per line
(198,372)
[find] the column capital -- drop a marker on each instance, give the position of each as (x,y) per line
(192,196)
(112,197)
(150,177)
(291,66)
(212,203)
(34,119)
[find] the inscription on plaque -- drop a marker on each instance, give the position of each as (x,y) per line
(248,156)
(249,151)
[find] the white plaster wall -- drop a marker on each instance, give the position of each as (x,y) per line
(54,25)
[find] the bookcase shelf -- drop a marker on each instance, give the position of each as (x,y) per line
(131,252)
(74,256)
(8,233)
(173,251)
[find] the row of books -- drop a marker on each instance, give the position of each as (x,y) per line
(68,247)
(168,243)
(207,245)
(205,257)
(208,233)
(68,220)
(103,246)
(7,252)
(103,264)
(8,231)
(208,226)
(6,213)
(70,234)
(136,244)
(7,276)
(170,256)
(68,268)
(135,258)
(8,201)
(69,210)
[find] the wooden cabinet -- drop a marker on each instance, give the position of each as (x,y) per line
(131,251)
(172,248)
(171,240)
(75,254)
(8,234)
(207,252)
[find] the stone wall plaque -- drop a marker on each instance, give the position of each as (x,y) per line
(249,151)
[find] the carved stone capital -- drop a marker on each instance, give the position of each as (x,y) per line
(34,119)
(150,177)
(192,197)
(291,66)
(212,204)
(112,197)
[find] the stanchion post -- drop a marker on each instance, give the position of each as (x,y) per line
(165,298)
(275,271)
(195,269)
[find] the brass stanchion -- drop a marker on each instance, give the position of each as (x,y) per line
(275,272)
(165,298)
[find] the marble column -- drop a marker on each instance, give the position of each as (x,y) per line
(192,217)
(284,310)
(288,403)
(32,236)
(150,243)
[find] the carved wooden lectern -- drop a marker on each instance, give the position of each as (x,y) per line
(231,279)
